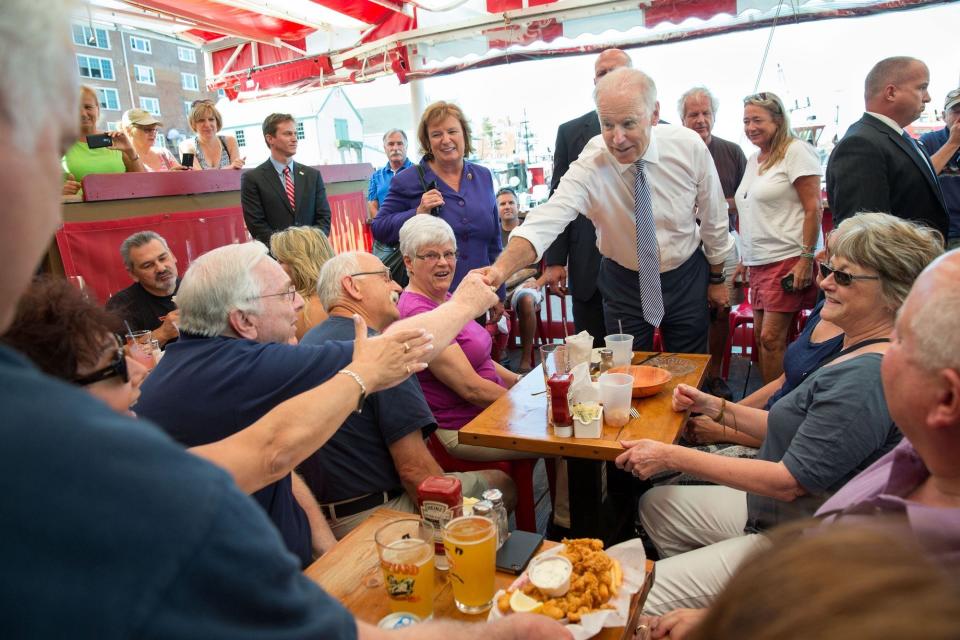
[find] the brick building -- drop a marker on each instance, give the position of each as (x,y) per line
(137,68)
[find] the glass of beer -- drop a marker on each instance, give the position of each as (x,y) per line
(406,558)
(471,546)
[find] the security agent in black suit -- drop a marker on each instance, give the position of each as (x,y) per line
(875,167)
(263,195)
(576,247)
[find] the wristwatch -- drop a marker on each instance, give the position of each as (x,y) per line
(717,278)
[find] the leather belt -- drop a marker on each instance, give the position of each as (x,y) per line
(353,506)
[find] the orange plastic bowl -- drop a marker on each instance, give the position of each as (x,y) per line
(647,381)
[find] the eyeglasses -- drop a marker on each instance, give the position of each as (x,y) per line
(196,102)
(291,293)
(433,256)
(384,273)
(773,104)
(116,368)
(759,97)
(842,278)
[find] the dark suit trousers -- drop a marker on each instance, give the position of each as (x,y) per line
(686,317)
(588,316)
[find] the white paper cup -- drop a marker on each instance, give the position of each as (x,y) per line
(622,346)
(615,395)
(579,349)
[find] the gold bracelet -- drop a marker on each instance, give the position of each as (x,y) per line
(723,407)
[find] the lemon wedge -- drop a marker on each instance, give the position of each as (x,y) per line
(522,603)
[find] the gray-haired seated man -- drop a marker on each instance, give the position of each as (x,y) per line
(378,457)
(147,304)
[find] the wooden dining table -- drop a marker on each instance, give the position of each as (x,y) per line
(350,572)
(518,421)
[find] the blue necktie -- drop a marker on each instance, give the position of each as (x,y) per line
(916,149)
(648,258)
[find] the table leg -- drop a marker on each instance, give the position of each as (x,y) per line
(601,503)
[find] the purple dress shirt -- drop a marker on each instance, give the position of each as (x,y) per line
(882,489)
(471,212)
(449,409)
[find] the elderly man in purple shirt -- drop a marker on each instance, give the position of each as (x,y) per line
(920,479)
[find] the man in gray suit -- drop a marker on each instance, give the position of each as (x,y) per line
(574,255)
(281,193)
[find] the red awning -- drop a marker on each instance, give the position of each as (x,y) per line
(261,48)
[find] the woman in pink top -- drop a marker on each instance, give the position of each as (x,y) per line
(142,128)
(463,380)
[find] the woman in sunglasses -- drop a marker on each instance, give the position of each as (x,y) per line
(833,425)
(778,202)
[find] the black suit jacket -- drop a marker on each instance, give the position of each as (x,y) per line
(578,242)
(874,169)
(266,208)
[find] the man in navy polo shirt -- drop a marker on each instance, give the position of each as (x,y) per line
(233,364)
(378,457)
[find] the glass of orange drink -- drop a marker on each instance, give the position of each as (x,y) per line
(471,546)
(406,558)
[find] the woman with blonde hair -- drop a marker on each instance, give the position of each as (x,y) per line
(778,202)
(142,129)
(81,160)
(301,251)
(211,150)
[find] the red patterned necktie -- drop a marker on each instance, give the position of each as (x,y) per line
(288,185)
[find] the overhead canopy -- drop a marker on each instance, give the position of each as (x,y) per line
(263,48)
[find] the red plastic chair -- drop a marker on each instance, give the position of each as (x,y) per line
(521,471)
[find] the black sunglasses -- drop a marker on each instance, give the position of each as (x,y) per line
(842,278)
(116,368)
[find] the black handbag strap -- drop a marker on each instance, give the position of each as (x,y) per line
(840,354)
(423,181)
(427,187)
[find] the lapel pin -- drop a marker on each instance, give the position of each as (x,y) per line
(469,176)
(300,172)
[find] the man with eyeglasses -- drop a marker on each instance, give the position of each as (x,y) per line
(234,362)
(644,188)
(378,457)
(878,166)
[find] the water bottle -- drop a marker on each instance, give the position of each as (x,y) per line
(500,512)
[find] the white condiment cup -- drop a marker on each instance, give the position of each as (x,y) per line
(553,589)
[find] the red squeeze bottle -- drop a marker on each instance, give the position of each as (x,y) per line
(435,495)
(559,384)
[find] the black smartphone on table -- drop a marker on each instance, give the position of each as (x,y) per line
(517,551)
(187,160)
(99,141)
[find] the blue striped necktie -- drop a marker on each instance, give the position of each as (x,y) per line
(648,257)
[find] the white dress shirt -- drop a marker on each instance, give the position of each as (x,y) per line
(684,186)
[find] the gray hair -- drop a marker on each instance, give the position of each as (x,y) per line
(38,76)
(136,241)
(332,273)
(888,71)
(898,250)
(697,91)
(934,322)
(627,80)
(422,230)
(403,134)
(217,283)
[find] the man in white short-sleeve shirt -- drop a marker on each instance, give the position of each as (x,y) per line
(683,186)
